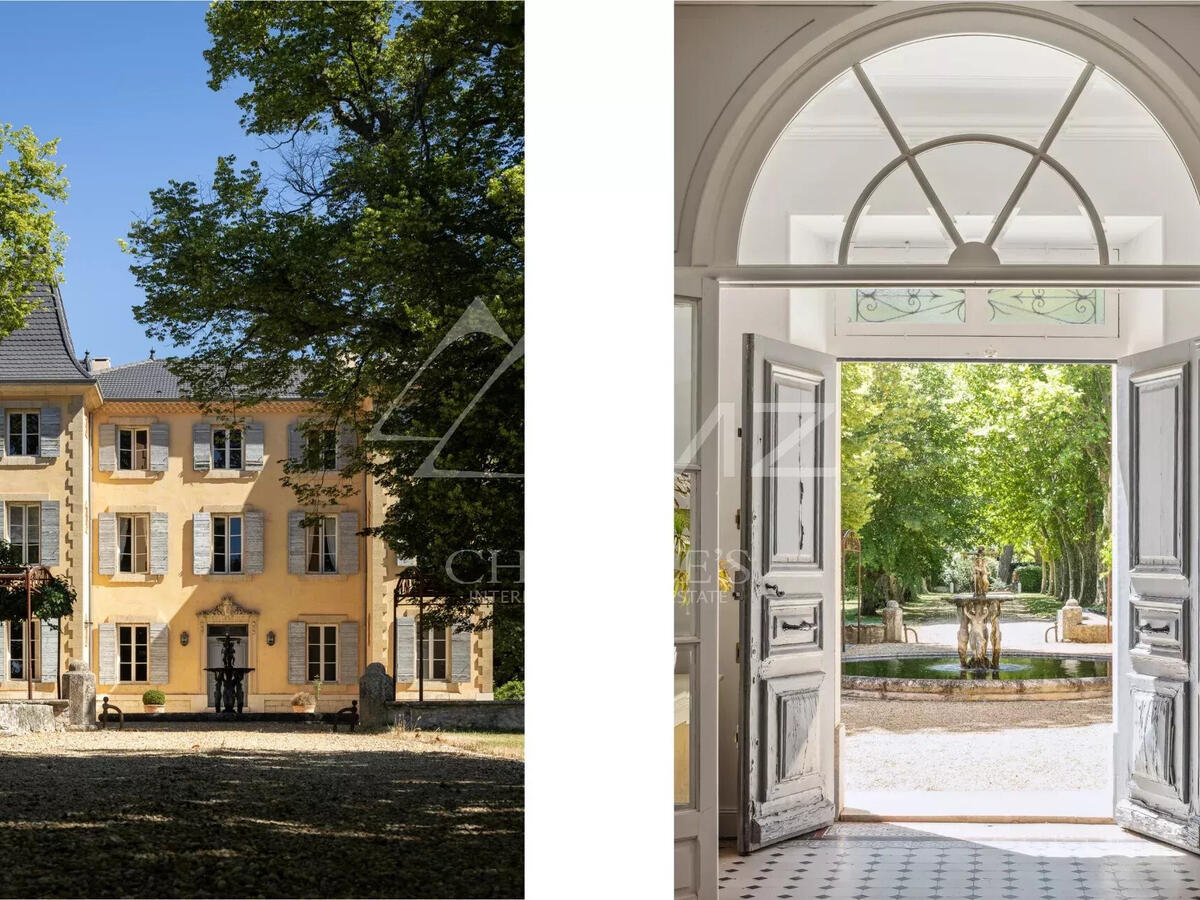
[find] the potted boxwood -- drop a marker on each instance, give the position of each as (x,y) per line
(304,702)
(154,701)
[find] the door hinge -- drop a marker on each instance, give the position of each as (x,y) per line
(736,736)
(737,518)
(737,652)
(739,432)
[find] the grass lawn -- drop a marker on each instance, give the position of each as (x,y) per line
(486,743)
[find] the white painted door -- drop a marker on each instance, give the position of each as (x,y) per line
(1155,559)
(788,601)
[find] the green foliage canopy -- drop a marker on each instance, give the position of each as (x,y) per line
(399,202)
(31,244)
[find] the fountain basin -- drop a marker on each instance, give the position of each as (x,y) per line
(937,676)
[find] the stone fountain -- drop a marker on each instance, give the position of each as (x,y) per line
(231,695)
(979,620)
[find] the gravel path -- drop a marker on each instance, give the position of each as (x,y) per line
(258,810)
(897,745)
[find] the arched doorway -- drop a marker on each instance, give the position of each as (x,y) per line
(788,242)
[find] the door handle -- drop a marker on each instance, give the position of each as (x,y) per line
(803,626)
(1150,629)
(779,592)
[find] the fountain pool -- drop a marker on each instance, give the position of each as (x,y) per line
(1030,676)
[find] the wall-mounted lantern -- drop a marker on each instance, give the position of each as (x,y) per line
(270,639)
(184,638)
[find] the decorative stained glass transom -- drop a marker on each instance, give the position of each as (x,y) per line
(1064,306)
(909,304)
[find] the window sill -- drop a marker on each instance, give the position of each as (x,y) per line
(15,461)
(134,474)
(230,576)
(231,474)
(135,578)
(326,576)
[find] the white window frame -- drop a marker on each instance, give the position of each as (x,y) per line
(228,438)
(131,629)
(22,510)
(327,452)
(325,530)
(25,434)
(324,648)
(134,556)
(29,648)
(223,545)
(133,431)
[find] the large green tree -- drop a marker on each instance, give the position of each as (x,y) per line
(31,244)
(396,207)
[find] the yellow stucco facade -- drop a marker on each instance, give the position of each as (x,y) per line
(147,521)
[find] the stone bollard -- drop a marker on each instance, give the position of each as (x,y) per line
(1070,617)
(375,691)
(79,689)
(893,623)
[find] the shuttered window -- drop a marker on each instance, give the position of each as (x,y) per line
(25,531)
(23,434)
(227,544)
(320,448)
(133,648)
(133,449)
(18,648)
(133,544)
(227,448)
(322,652)
(321,541)
(435,654)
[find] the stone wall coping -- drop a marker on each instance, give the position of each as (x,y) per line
(57,704)
(444,704)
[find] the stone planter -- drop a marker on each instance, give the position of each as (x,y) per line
(153,707)
(304,709)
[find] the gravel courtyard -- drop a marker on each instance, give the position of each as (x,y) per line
(1029,745)
(275,811)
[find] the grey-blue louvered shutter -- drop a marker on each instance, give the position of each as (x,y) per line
(406,649)
(49,536)
(295,538)
(348,653)
(160,648)
(108,448)
(295,443)
(3,651)
(3,521)
(201,447)
(49,649)
(296,652)
(347,543)
(255,451)
(160,451)
(460,655)
(252,546)
(108,653)
(3,430)
(158,543)
(345,447)
(50,430)
(106,544)
(201,543)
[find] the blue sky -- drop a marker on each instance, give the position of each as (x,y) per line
(123,85)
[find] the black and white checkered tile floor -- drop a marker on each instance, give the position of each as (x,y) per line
(963,862)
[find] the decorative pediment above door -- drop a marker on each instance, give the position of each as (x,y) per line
(228,611)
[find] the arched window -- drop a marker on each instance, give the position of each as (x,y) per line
(973,150)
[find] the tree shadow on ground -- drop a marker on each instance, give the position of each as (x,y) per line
(246,823)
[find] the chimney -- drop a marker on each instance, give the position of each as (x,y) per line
(100,363)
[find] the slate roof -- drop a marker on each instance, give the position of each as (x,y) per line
(150,380)
(42,350)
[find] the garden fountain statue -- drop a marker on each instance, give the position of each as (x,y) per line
(979,620)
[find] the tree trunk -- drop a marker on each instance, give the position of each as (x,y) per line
(1004,572)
